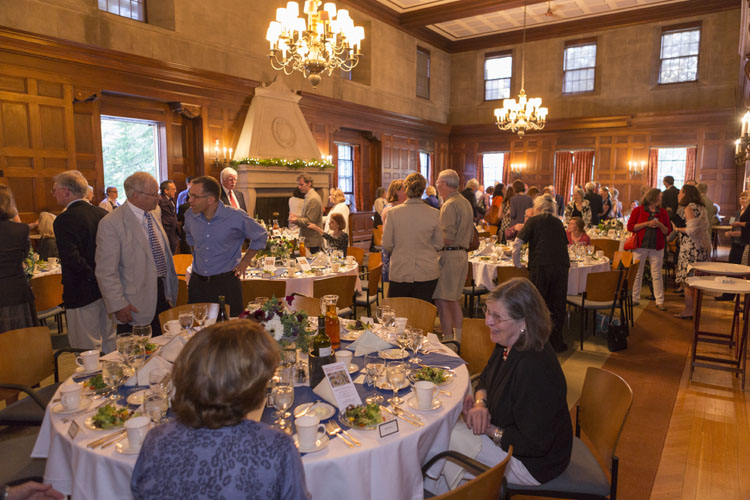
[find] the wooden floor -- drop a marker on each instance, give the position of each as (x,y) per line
(707,450)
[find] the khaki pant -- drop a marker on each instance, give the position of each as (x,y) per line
(90,327)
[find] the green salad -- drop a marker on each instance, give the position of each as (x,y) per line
(150,348)
(431,374)
(357,325)
(96,383)
(110,417)
(363,415)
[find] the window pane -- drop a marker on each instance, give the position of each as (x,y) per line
(128,146)
(498,67)
(346,171)
(497,89)
(424,165)
(492,168)
(423,73)
(579,66)
(672,162)
(679,56)
(133,9)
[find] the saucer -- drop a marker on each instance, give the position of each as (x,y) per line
(82,371)
(136,398)
(124,448)
(60,409)
(320,409)
(353,368)
(393,354)
(320,444)
(412,401)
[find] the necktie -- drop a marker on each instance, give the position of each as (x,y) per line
(161,263)
(233,200)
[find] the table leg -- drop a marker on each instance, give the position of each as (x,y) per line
(696,327)
(742,341)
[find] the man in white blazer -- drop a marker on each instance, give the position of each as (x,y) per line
(134,266)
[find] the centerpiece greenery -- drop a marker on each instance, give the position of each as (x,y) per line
(277,247)
(284,325)
(280,162)
(608,224)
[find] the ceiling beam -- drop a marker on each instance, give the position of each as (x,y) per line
(458,10)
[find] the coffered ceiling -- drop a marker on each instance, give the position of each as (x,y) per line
(459,25)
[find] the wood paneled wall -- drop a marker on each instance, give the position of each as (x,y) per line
(615,142)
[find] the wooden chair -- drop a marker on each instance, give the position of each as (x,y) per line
(492,230)
(181,262)
(476,346)
(310,305)
(472,292)
(182,291)
(48,299)
(419,314)
(505,273)
(357,253)
(26,358)
(609,247)
(488,483)
(369,295)
(377,237)
(600,413)
(484,234)
(262,288)
(343,286)
(174,313)
(602,289)
(373,259)
(623,257)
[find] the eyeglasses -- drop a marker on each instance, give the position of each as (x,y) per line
(191,195)
(495,317)
(150,194)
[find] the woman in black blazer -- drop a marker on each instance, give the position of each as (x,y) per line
(16,300)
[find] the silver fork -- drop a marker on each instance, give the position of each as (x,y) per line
(333,429)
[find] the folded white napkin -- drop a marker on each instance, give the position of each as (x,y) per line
(141,376)
(173,348)
(368,342)
(488,250)
(323,389)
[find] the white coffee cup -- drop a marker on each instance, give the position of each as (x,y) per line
(599,254)
(401,324)
(344,356)
(89,360)
(172,328)
(137,428)
(308,429)
(335,266)
(53,261)
(70,395)
(350,259)
(425,394)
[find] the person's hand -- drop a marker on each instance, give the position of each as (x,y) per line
(737,224)
(293,217)
(314,227)
(32,490)
(468,404)
(478,419)
(125,315)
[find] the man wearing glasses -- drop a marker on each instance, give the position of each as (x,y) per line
(134,264)
(215,233)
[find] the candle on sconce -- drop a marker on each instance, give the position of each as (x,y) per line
(737,147)
(225,154)
(230,153)
(745,123)
(216,149)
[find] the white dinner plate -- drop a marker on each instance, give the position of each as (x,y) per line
(393,354)
(124,448)
(60,409)
(412,401)
(320,409)
(351,336)
(320,444)
(80,370)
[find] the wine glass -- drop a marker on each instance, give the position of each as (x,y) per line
(395,372)
(403,339)
(200,311)
(112,374)
(374,367)
(590,249)
(389,320)
(417,340)
(283,398)
(125,343)
(186,320)
(158,380)
(155,404)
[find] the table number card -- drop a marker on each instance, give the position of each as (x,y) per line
(73,429)
(276,232)
(388,428)
(269,264)
(341,385)
(303,264)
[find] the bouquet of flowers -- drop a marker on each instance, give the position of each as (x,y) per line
(283,324)
(615,224)
(277,247)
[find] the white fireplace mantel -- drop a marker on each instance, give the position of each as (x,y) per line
(258,181)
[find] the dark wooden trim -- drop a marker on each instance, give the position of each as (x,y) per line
(683,26)
(498,53)
(458,10)
(582,41)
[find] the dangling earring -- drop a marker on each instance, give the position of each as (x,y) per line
(523,331)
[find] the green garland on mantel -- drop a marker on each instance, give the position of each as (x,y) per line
(280,162)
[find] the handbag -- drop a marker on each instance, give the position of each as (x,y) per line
(631,243)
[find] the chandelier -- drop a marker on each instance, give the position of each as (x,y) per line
(742,145)
(327,41)
(524,114)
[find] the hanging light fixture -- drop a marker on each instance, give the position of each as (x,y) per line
(524,114)
(327,41)
(742,145)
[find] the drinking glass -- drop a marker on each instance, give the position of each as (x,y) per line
(186,320)
(158,380)
(403,339)
(590,249)
(417,340)
(379,313)
(389,321)
(200,311)
(375,368)
(283,398)
(155,404)
(112,374)
(395,372)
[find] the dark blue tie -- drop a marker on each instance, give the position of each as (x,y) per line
(161,263)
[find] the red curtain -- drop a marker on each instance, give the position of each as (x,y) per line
(690,163)
(583,163)
(652,171)
(506,170)
(480,169)
(563,171)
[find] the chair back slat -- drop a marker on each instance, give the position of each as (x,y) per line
(602,286)
(262,288)
(181,262)
(374,280)
(476,345)
(47,291)
(357,253)
(377,236)
(606,245)
(25,357)
(310,305)
(603,407)
(373,259)
(182,292)
(419,313)
(622,257)
(343,286)
(486,485)
(505,273)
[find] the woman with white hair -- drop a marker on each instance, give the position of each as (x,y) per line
(548,261)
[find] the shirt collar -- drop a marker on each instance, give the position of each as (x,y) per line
(74,201)
(221,210)
(137,211)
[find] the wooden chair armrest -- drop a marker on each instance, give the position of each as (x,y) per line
(60,351)
(453,342)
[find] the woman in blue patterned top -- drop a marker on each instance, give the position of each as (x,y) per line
(337,239)
(212,450)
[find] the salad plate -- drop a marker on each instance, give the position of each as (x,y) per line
(108,417)
(136,398)
(438,375)
(363,417)
(60,409)
(393,354)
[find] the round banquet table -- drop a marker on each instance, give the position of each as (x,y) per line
(381,468)
(720,268)
(485,272)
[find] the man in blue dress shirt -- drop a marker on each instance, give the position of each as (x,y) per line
(182,197)
(215,232)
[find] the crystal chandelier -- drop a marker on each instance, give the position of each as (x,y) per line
(524,114)
(327,41)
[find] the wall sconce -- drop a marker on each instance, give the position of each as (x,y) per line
(224,159)
(517,168)
(742,145)
(636,168)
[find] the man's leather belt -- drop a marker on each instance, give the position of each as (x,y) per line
(215,276)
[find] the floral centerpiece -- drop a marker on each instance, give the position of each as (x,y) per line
(284,325)
(277,247)
(608,224)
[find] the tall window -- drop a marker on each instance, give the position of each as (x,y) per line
(424,165)
(129,146)
(672,162)
(133,9)
(579,68)
(679,55)
(492,168)
(423,73)
(498,68)
(346,171)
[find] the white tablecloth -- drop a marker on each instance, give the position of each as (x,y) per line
(388,468)
(485,272)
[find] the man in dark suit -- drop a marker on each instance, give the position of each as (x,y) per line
(169,214)
(469,193)
(229,196)
(669,196)
(75,231)
(558,200)
(595,201)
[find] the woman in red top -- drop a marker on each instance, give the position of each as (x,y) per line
(576,233)
(651,224)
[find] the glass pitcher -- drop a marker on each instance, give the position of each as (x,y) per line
(328,303)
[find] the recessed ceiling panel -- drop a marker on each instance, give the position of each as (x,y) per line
(409,5)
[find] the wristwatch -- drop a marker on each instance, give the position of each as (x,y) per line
(497,436)
(481,400)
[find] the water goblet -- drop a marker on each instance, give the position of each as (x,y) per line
(158,380)
(155,403)
(186,320)
(112,374)
(200,311)
(389,321)
(375,368)
(283,398)
(403,339)
(396,374)
(417,340)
